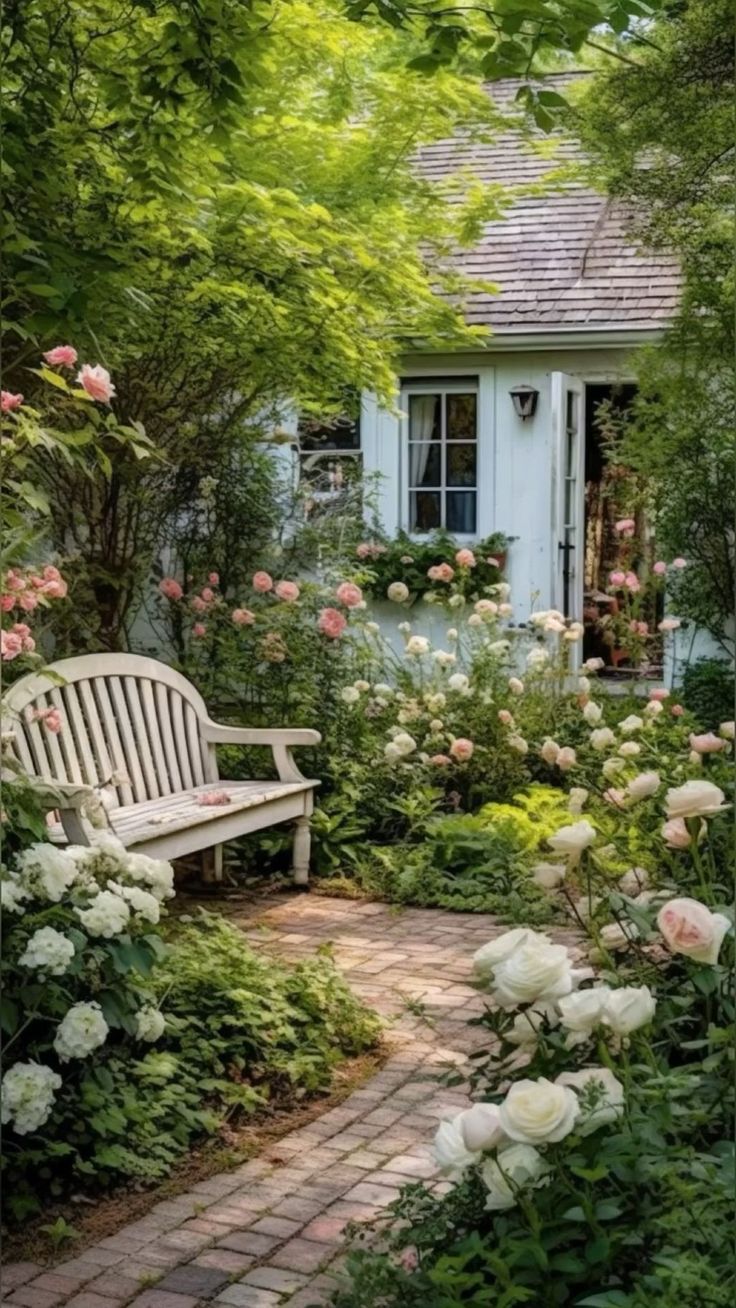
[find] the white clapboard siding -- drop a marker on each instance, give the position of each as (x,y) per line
(138,728)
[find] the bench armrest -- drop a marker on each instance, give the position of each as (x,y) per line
(70,799)
(278,739)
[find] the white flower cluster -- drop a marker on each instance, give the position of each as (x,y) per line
(82,1030)
(45,872)
(150,1023)
(27,1096)
(48,950)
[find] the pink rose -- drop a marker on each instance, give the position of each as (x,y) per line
(7,602)
(243,617)
(677,710)
(440,760)
(349,594)
(691,929)
(708,743)
(462,749)
(199,604)
(54,589)
(566,758)
(642,628)
(465,559)
(676,834)
(505,717)
(11,645)
(617,578)
(50,573)
(62,356)
(96,382)
(625,527)
(441,572)
(632,583)
(28,602)
(9,401)
(262,583)
(615,797)
(659,692)
(288,591)
(199,630)
(659,568)
(669,624)
(214,579)
(52,720)
(364,550)
(14,580)
(331,623)
(213,798)
(208,595)
(679,563)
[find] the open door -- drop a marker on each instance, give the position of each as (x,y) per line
(568,494)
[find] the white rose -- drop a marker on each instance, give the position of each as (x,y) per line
(576,799)
(513,1170)
(629,749)
(537,658)
(383,690)
(449,1149)
(592,713)
(456,601)
(27,1096)
(362,686)
(549,751)
(695,799)
(533,972)
(600,1095)
(443,658)
(398,592)
(106,916)
(405,743)
(654,708)
(630,724)
(628,1008)
(404,627)
(391,752)
(350,695)
(583,686)
(49,951)
(452,633)
(727,730)
(618,935)
(572,840)
(594,665)
(518,743)
(503,946)
(372,628)
(516,686)
(602,738)
(458,681)
(644,785)
(539,1112)
(481,1127)
(548,875)
(690,928)
(475,620)
(612,767)
(150,1023)
(80,1031)
(581,1012)
(417,646)
(498,647)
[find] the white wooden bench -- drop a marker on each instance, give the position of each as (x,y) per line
(143,725)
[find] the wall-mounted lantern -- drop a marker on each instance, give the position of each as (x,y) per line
(525,401)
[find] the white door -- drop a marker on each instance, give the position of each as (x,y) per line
(568,494)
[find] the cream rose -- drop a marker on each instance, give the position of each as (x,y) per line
(488,956)
(516,1167)
(581,1012)
(450,1151)
(572,840)
(602,738)
(533,972)
(548,875)
(481,1127)
(539,1112)
(695,799)
(600,1095)
(628,1008)
(630,724)
(690,928)
(644,785)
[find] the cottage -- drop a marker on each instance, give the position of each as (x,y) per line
(505,438)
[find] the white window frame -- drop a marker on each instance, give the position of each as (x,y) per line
(442,383)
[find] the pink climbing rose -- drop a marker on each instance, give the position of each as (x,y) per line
(170,588)
(331,623)
(199,630)
(288,591)
(659,568)
(441,572)
(465,558)
(9,401)
(243,617)
(214,579)
(11,645)
(462,749)
(62,356)
(617,578)
(625,527)
(349,594)
(262,582)
(96,382)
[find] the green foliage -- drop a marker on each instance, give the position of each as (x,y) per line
(408,560)
(708,692)
(530,819)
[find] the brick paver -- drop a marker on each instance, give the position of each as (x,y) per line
(270,1232)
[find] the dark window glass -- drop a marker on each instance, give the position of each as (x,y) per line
(425,465)
(461,462)
(425,510)
(338,433)
(460,511)
(462,417)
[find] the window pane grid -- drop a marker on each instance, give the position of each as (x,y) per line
(442,467)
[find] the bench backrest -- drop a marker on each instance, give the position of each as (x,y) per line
(121,714)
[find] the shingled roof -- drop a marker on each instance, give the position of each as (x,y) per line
(564,260)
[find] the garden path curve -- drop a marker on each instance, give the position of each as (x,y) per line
(270,1231)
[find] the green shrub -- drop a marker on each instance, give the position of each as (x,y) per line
(708,692)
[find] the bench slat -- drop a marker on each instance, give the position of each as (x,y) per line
(124,790)
(129,744)
(164,711)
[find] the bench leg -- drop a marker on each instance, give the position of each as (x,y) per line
(302,844)
(212,864)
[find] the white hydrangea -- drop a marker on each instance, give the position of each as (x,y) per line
(46,872)
(157,874)
(107,915)
(458,681)
(150,1023)
(12,895)
(381,688)
(142,902)
(350,695)
(28,1096)
(82,1030)
(537,657)
(417,646)
(49,951)
(444,658)
(405,743)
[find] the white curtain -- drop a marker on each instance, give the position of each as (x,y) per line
(421,426)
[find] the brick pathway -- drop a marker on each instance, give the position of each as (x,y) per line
(270,1231)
